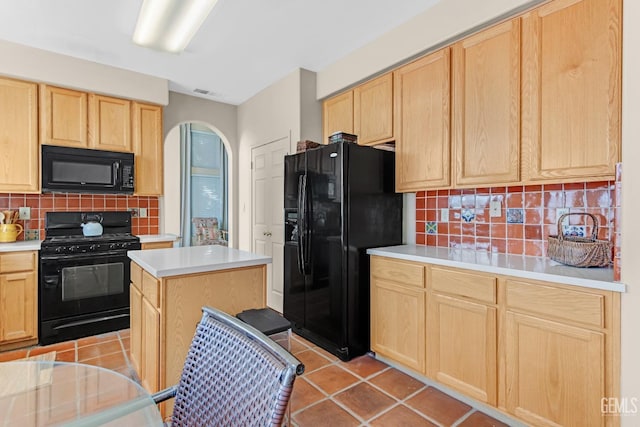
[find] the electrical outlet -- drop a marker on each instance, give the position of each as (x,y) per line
(559,213)
(143,213)
(444,215)
(24,212)
(134,212)
(495,208)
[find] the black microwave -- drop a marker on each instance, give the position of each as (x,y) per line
(78,170)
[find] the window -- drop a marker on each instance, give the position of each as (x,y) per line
(204,183)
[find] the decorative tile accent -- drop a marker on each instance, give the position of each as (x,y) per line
(515,216)
(574,230)
(468,215)
(432,227)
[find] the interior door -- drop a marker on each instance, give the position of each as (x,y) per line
(268,213)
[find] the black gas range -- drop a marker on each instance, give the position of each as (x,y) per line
(84,280)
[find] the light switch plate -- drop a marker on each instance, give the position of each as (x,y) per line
(24,212)
(495,209)
(143,212)
(444,215)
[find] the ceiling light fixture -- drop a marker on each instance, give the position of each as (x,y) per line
(170,25)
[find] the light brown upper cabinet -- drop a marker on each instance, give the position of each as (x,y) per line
(422,120)
(373,111)
(63,117)
(147,146)
(571,84)
(109,123)
(337,115)
(18,136)
(486,106)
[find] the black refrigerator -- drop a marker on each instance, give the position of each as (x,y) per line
(339,201)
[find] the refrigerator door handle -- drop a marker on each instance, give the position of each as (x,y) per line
(306,242)
(300,224)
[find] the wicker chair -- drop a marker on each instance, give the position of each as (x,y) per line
(234,375)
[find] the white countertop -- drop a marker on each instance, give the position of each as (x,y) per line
(194,259)
(150,238)
(536,268)
(23,245)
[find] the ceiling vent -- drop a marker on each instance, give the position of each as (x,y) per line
(202,91)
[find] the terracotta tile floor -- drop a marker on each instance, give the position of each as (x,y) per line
(362,392)
(367,392)
(109,351)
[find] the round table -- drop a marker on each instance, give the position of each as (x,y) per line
(72,394)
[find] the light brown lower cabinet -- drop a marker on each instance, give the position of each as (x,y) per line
(398,311)
(541,352)
(165,312)
(18,299)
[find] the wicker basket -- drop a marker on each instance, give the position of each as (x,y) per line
(579,251)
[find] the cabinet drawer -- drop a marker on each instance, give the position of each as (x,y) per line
(136,276)
(151,289)
(576,306)
(468,285)
(403,272)
(17,261)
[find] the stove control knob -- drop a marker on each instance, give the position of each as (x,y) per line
(59,249)
(113,246)
(73,249)
(92,247)
(125,245)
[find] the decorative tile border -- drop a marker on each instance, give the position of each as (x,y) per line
(42,203)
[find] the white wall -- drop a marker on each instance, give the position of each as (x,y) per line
(630,207)
(286,109)
(37,65)
(222,119)
(441,22)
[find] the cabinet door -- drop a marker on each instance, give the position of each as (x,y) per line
(554,372)
(462,346)
(63,117)
(150,346)
(19,167)
(373,111)
(398,323)
(486,106)
(135,297)
(18,306)
(337,115)
(109,123)
(422,92)
(571,83)
(147,146)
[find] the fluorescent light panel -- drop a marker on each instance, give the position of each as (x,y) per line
(170,25)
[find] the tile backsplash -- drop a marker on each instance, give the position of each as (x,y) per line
(42,203)
(526,215)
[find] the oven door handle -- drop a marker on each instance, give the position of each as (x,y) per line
(51,281)
(84,256)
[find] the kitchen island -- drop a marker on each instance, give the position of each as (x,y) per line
(168,289)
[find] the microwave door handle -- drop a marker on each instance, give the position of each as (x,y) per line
(116,174)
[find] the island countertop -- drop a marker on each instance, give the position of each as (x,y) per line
(194,259)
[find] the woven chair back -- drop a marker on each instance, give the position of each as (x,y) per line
(233,376)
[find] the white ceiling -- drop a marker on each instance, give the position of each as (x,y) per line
(243,46)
